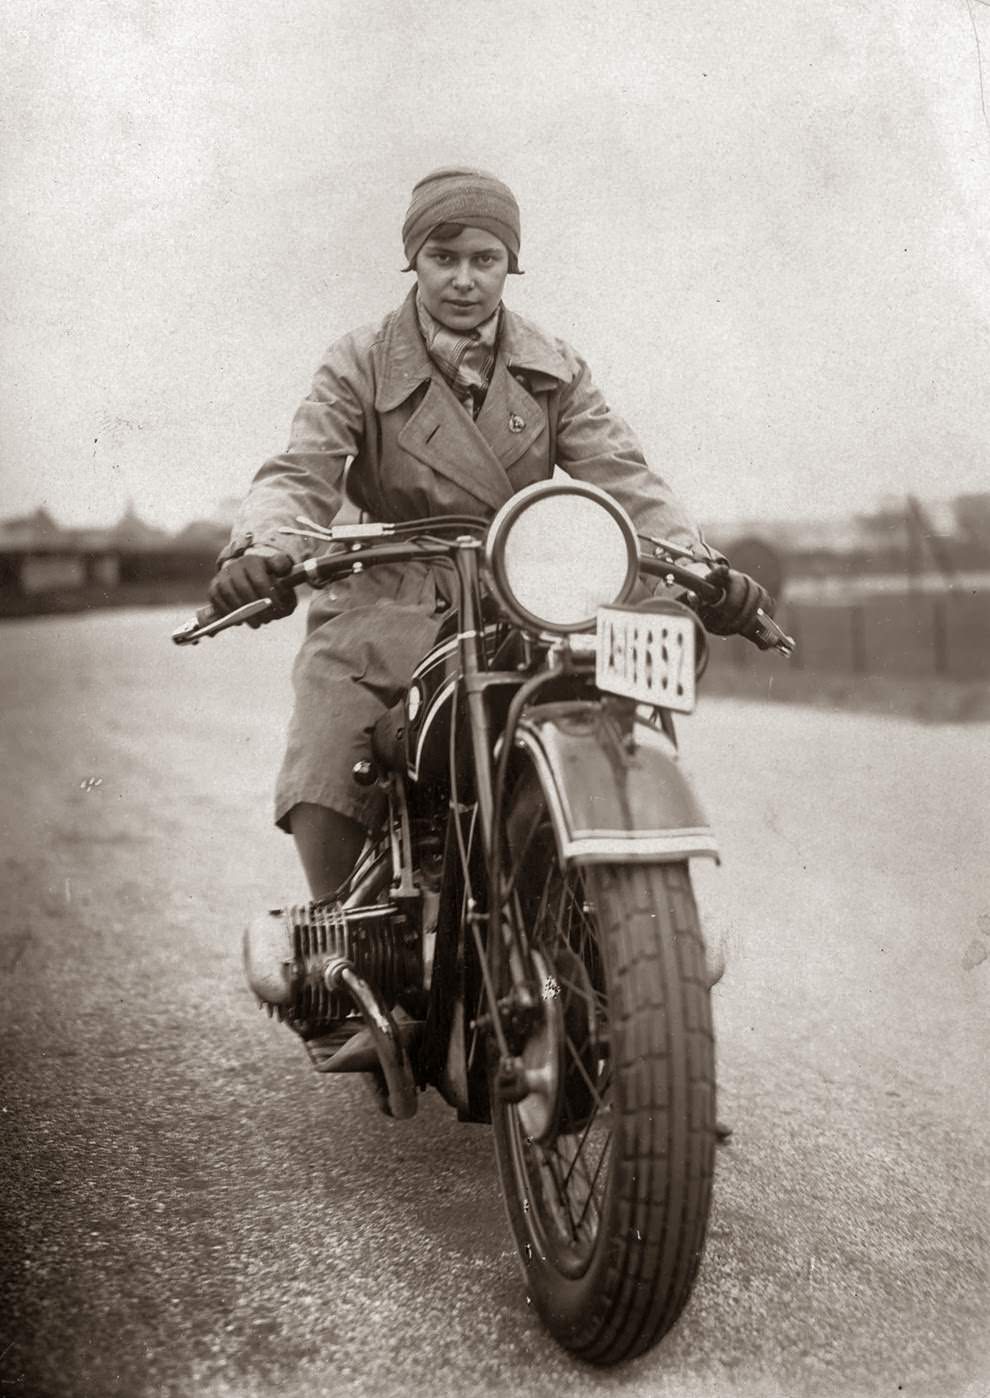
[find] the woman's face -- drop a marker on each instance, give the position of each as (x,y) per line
(461,279)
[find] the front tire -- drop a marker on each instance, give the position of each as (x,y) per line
(607,1178)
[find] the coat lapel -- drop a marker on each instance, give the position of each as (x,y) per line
(510,419)
(444,437)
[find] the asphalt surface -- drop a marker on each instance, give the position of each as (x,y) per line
(188,1210)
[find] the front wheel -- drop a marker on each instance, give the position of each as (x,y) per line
(606,1165)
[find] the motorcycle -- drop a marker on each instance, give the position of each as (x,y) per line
(521,933)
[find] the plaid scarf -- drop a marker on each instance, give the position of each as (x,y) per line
(466,360)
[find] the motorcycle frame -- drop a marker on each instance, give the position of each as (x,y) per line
(475,682)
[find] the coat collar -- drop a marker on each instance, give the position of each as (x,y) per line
(526,346)
(406,364)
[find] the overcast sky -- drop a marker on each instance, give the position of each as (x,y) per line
(767,227)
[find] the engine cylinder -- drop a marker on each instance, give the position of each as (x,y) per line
(287,950)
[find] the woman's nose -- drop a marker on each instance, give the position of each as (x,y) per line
(462,274)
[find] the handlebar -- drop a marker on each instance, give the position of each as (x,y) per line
(764,631)
(358,552)
(317,572)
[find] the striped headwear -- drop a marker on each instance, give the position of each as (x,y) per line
(461,194)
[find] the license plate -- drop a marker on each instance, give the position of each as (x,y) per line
(646,656)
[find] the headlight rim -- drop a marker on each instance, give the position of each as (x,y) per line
(500,529)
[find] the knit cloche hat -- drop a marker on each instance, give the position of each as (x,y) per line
(458,194)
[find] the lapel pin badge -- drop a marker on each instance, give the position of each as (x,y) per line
(516,423)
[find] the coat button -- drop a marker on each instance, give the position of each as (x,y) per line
(516,423)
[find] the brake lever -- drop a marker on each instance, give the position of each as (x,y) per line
(764,632)
(191,632)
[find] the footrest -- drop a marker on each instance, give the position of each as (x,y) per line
(321,1047)
(359,1054)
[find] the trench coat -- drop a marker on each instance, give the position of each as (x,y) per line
(378,403)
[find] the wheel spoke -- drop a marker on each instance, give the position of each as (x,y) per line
(598,1170)
(520,853)
(597,1000)
(577,1169)
(579,1148)
(587,943)
(592,1086)
(578,910)
(562,923)
(551,1165)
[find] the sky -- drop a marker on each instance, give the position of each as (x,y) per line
(767,228)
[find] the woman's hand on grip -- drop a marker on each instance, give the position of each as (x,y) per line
(735,611)
(250,577)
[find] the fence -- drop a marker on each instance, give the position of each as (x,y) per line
(909,635)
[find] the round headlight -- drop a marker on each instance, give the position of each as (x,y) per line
(559,550)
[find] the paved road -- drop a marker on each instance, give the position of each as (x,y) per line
(188,1210)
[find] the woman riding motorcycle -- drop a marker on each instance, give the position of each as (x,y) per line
(451,405)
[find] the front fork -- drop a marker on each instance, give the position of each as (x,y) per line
(509,1019)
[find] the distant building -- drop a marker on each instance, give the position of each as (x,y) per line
(202,535)
(26,531)
(131,532)
(903,543)
(38,555)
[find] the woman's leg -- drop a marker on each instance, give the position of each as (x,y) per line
(351,668)
(328,845)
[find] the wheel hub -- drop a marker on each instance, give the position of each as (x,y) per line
(542,1064)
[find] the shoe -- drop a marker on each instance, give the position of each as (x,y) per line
(714,967)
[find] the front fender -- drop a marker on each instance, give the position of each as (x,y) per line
(614,797)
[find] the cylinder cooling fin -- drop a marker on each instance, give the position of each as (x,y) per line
(287,950)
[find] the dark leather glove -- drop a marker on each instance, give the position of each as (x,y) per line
(742,597)
(253,575)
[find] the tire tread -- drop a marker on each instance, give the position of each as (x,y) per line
(664,1069)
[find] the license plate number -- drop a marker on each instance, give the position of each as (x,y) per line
(646,656)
